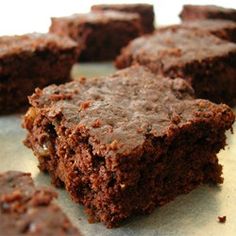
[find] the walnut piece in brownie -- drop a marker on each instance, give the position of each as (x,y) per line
(208,63)
(31,61)
(27,210)
(140,141)
(100,34)
(145,11)
(196,12)
(223,29)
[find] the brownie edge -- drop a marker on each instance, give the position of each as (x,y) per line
(145,11)
(30,61)
(196,12)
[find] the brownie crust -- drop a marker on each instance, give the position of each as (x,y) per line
(196,12)
(208,63)
(30,61)
(145,11)
(223,29)
(125,144)
(99,35)
(27,210)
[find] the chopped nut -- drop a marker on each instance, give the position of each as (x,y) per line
(30,117)
(114,145)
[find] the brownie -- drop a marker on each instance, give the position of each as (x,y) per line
(196,12)
(145,11)
(127,143)
(30,61)
(223,29)
(27,210)
(100,35)
(205,61)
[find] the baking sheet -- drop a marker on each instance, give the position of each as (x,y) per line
(193,214)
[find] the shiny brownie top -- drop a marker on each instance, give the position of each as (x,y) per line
(175,47)
(29,43)
(97,17)
(123,7)
(117,113)
(210,8)
(210,25)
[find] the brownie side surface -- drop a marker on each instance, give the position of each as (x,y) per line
(196,12)
(30,61)
(100,35)
(208,63)
(27,210)
(125,144)
(145,11)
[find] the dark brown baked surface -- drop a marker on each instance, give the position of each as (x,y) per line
(223,29)
(208,63)
(127,143)
(196,12)
(31,61)
(27,210)
(99,35)
(145,11)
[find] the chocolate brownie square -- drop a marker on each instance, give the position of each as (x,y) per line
(30,61)
(145,11)
(101,35)
(208,63)
(196,12)
(127,143)
(27,210)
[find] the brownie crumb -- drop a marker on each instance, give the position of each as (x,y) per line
(85,105)
(221,219)
(97,123)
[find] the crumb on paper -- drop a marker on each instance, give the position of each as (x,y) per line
(221,219)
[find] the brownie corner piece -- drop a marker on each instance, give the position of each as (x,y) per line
(196,12)
(145,11)
(100,35)
(27,210)
(127,143)
(30,61)
(207,62)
